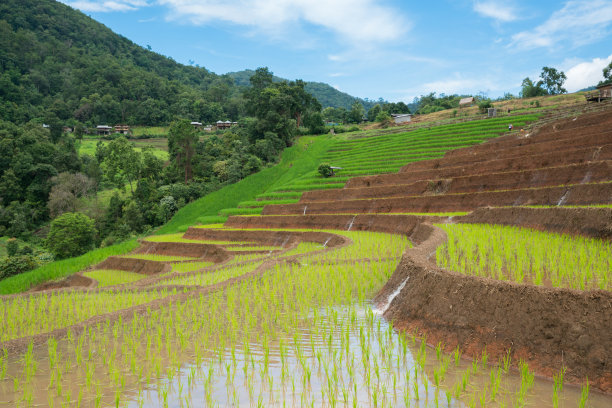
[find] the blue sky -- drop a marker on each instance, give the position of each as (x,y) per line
(387,48)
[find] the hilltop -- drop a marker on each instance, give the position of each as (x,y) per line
(326,94)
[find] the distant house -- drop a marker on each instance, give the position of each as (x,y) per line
(603,92)
(467,102)
(401,117)
(122,129)
(103,130)
(196,125)
(221,125)
(67,129)
(208,128)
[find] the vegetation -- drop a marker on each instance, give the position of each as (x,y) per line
(551,83)
(71,234)
(106,277)
(63,268)
(527,256)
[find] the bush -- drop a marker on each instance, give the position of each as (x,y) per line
(12,247)
(484,105)
(14,265)
(71,234)
(325,170)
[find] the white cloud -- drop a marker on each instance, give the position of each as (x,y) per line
(355,21)
(101,6)
(585,74)
(578,23)
(496,10)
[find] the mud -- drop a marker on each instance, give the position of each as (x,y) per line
(76,280)
(589,222)
(547,328)
(205,252)
(271,238)
(393,224)
(585,194)
(551,176)
(527,162)
(142,266)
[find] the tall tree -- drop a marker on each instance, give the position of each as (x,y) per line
(552,80)
(607,73)
(182,140)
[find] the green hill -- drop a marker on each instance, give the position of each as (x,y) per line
(326,94)
(56,62)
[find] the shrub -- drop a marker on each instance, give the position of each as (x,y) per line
(325,170)
(484,105)
(14,265)
(12,247)
(71,234)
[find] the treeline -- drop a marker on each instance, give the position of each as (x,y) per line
(58,65)
(42,178)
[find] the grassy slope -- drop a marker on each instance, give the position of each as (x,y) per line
(63,268)
(296,161)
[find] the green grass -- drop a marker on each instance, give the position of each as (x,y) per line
(63,268)
(527,256)
(296,161)
(107,277)
(88,146)
(261,203)
(150,131)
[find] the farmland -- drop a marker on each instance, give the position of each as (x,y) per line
(388,284)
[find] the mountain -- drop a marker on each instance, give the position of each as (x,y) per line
(325,94)
(57,63)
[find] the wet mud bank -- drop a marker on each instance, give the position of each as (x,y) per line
(589,222)
(549,328)
(393,224)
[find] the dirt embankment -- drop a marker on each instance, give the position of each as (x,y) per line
(585,194)
(143,266)
(550,176)
(394,224)
(205,252)
(273,238)
(527,162)
(590,222)
(547,328)
(595,140)
(72,281)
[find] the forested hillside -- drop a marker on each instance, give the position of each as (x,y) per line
(58,64)
(326,94)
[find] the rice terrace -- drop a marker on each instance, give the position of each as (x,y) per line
(446,263)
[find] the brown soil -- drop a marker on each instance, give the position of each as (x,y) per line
(142,266)
(527,162)
(76,280)
(394,224)
(591,222)
(551,176)
(271,238)
(548,328)
(584,194)
(206,252)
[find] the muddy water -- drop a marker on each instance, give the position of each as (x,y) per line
(351,357)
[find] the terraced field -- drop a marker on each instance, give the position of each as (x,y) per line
(498,252)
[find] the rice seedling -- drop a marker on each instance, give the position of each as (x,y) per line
(160,258)
(106,277)
(527,256)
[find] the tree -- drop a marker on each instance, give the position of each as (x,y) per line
(182,139)
(71,234)
(530,90)
(607,73)
(552,80)
(355,115)
(121,161)
(373,112)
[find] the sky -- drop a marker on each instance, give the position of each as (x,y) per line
(391,49)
